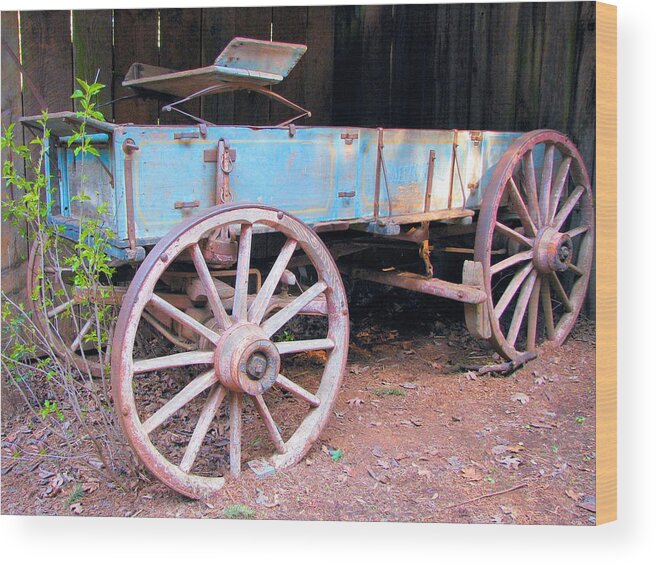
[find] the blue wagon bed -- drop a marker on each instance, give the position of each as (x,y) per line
(189,205)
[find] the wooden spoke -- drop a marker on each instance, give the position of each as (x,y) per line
(555,283)
(520,308)
(80,336)
(167,308)
(577,231)
(532,322)
(220,314)
(558,185)
(567,208)
(207,414)
(511,289)
(512,234)
(578,272)
(236,404)
(545,182)
(240,304)
(270,424)
(279,319)
(545,293)
(530,185)
(304,345)
(259,306)
(186,395)
(170,361)
(510,261)
(520,208)
(59,309)
(297,391)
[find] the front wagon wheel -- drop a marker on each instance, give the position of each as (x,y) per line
(535,240)
(195,417)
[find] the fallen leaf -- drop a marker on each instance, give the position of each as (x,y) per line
(76,508)
(520,397)
(355,402)
(380,478)
(424,473)
(416,421)
(471,376)
(510,462)
(499,449)
(90,487)
(382,463)
(516,448)
(263,500)
(575,496)
(410,386)
(455,462)
(588,502)
(471,474)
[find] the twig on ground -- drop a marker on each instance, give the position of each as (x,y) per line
(497,493)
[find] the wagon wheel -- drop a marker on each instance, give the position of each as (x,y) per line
(66,320)
(546,223)
(239,364)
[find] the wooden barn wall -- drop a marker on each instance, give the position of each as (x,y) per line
(516,66)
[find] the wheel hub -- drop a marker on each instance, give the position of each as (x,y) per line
(553,251)
(246,360)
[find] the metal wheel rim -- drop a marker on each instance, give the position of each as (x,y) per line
(184,237)
(500,186)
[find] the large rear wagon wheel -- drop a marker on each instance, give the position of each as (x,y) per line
(236,379)
(538,207)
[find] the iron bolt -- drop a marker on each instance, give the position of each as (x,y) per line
(256,366)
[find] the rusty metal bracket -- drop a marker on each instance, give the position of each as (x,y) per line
(129,148)
(425,249)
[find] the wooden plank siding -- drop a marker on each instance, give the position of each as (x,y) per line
(92,59)
(14,246)
(513,67)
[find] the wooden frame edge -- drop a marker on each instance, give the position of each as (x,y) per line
(606,295)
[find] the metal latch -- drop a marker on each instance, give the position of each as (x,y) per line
(202,132)
(193,204)
(349,137)
(476,137)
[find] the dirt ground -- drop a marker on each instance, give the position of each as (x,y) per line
(415,436)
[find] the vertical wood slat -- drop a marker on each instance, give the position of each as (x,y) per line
(180,49)
(14,247)
(530,39)
(135,40)
(413,96)
(290,26)
(92,52)
(375,81)
(319,60)
(557,71)
(501,67)
(218,28)
(252,108)
(347,65)
(451,64)
(582,122)
(47,59)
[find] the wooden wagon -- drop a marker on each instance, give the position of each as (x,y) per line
(225,235)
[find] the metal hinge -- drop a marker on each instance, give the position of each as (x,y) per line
(476,137)
(349,137)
